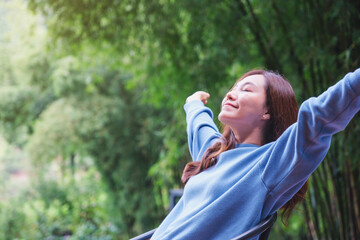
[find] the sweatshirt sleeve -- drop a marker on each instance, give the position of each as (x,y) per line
(291,159)
(201,129)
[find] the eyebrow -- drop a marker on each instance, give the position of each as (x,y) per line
(243,85)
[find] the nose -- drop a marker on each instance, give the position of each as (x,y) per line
(230,95)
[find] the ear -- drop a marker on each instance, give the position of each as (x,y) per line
(265,116)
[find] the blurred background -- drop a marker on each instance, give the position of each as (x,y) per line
(91,106)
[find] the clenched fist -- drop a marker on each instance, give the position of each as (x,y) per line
(199,95)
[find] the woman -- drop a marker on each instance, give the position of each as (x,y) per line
(263,158)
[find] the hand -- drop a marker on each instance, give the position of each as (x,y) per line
(199,95)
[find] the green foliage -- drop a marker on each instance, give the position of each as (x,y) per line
(16,112)
(66,80)
(16,105)
(22,42)
(109,82)
(62,123)
(12,220)
(54,210)
(109,125)
(76,108)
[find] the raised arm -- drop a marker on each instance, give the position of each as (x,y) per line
(201,129)
(301,148)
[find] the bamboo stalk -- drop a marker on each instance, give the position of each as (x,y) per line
(333,197)
(311,233)
(355,204)
(322,209)
(314,208)
(337,178)
(331,217)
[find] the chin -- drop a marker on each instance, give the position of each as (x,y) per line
(222,119)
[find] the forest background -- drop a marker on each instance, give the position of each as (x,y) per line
(91,106)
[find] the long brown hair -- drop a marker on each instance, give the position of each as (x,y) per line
(283,110)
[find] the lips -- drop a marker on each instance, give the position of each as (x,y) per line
(229,104)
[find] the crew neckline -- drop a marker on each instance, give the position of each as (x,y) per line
(246,145)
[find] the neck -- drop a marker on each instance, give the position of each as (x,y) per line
(253,136)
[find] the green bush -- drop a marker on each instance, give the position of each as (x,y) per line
(73,206)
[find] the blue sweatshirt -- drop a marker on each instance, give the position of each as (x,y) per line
(250,182)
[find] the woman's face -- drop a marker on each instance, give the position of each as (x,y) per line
(244,105)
